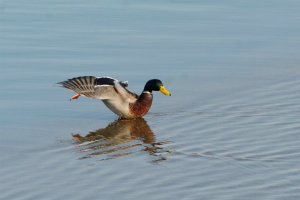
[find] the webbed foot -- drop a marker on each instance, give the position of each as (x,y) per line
(75,97)
(126,119)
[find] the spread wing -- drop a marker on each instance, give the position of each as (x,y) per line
(100,88)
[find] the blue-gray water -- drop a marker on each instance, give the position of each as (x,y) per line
(230,130)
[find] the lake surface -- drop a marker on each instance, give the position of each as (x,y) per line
(230,130)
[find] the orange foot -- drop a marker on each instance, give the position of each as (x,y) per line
(126,119)
(75,97)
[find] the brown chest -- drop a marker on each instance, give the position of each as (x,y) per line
(141,106)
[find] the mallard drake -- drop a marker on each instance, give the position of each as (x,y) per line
(115,95)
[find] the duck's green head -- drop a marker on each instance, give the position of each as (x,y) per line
(156,85)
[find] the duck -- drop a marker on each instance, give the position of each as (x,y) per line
(115,95)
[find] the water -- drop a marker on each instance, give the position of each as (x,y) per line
(230,130)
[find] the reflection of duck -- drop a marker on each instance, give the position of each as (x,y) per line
(114,94)
(117,139)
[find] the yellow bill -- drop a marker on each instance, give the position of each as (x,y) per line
(164,91)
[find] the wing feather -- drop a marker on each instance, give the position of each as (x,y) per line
(106,92)
(100,88)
